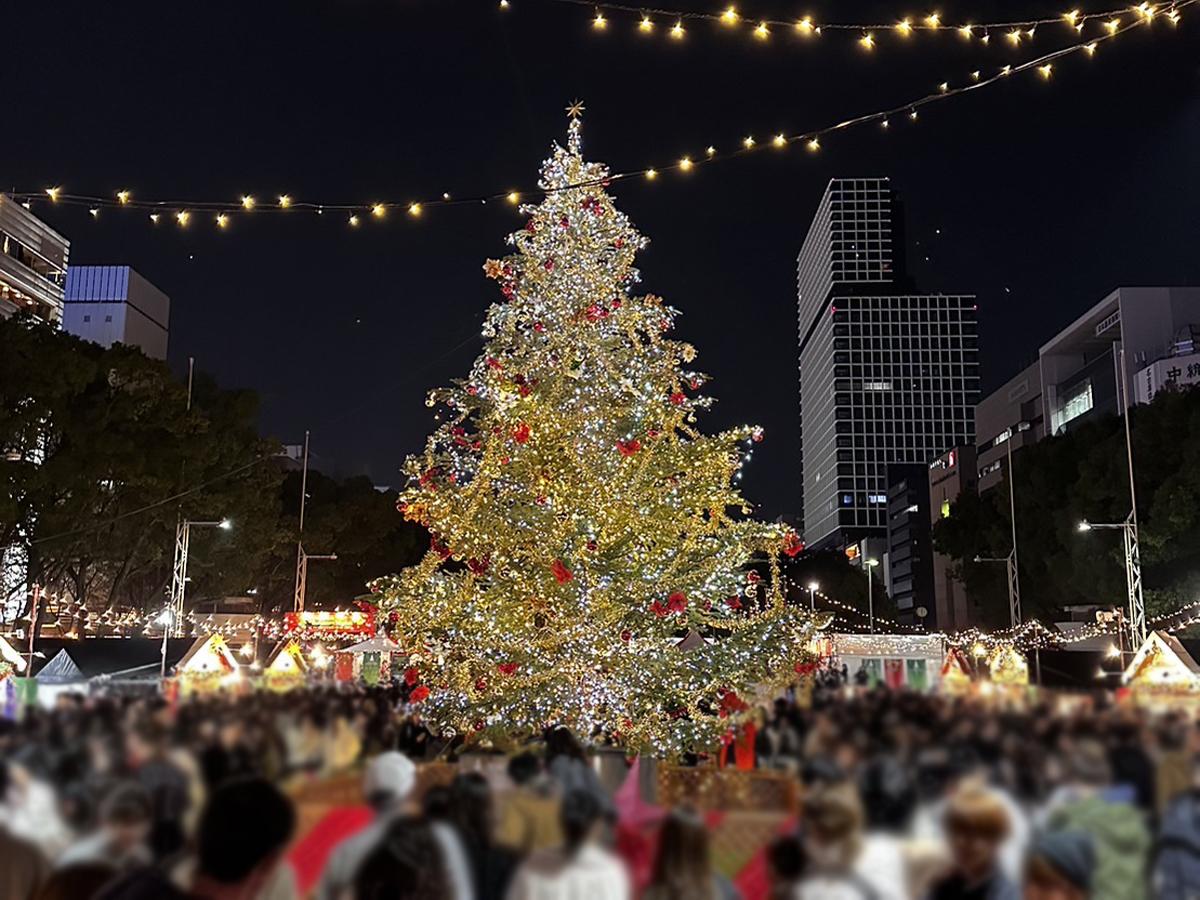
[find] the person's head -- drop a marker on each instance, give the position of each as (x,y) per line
(406,864)
(976,823)
(388,780)
(126,816)
(243,831)
(523,768)
(471,799)
(1060,866)
(785,863)
(437,804)
(833,819)
(578,815)
(561,742)
(681,868)
(1089,766)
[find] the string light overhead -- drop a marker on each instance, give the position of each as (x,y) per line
(730,18)
(976,79)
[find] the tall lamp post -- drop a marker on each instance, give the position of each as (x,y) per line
(868,565)
(813,587)
(1129,528)
(302,556)
(183,535)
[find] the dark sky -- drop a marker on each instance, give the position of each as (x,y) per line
(1039,197)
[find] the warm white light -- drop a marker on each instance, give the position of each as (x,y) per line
(1085,525)
(780,140)
(677,30)
(762,32)
(646,24)
(123,197)
(685,164)
(53,193)
(513,197)
(730,16)
(353,220)
(1046,70)
(966,31)
(154,218)
(651,174)
(94,212)
(247,202)
(284,201)
(599,23)
(1112,25)
(904,26)
(933,20)
(414,209)
(379,210)
(813,586)
(814,145)
(222,220)
(866,41)
(225,524)
(805,25)
(747,142)
(183,217)
(1090,49)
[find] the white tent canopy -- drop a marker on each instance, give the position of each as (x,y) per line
(378,644)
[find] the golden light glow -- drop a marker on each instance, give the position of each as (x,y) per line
(513,197)
(247,202)
(966,31)
(646,24)
(1145,10)
(780,141)
(183,217)
(1071,17)
(677,30)
(985,39)
(353,220)
(53,193)
(685,164)
(885,124)
(814,145)
(747,142)
(222,220)
(1090,49)
(1014,36)
(94,212)
(904,26)
(710,151)
(651,174)
(1173,16)
(943,87)
(599,23)
(933,20)
(378,210)
(154,218)
(1046,70)
(123,197)
(1004,70)
(867,41)
(912,114)
(504,4)
(762,32)
(805,25)
(284,201)
(414,209)
(730,16)
(975,75)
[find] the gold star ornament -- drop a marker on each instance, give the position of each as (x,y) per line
(575,110)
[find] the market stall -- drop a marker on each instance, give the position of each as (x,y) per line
(209,665)
(1162,672)
(912,661)
(368,661)
(286,668)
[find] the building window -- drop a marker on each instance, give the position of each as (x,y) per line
(108,318)
(87,318)
(1076,402)
(877,498)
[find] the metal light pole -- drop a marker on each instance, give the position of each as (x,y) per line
(1014,582)
(868,565)
(1129,530)
(812,595)
(302,557)
(183,534)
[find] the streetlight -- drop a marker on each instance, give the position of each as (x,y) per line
(869,564)
(303,556)
(1133,572)
(179,576)
(813,587)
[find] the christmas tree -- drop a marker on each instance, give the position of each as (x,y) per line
(589,558)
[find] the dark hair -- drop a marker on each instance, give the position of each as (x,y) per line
(437,804)
(246,821)
(126,803)
(407,865)
(471,807)
(561,742)
(786,858)
(681,867)
(73,882)
(578,813)
(523,768)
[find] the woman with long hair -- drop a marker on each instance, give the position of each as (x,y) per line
(682,870)
(407,865)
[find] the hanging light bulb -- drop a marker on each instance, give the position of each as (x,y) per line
(1045,71)
(814,145)
(904,26)
(53,193)
(651,174)
(677,29)
(646,24)
(599,22)
(284,201)
(378,210)
(730,16)
(247,202)
(685,164)
(780,141)
(123,197)
(414,209)
(183,217)
(805,26)
(933,20)
(866,41)
(353,220)
(747,142)
(762,32)
(222,220)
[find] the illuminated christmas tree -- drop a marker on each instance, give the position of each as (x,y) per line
(589,559)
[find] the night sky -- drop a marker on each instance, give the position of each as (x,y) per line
(1039,197)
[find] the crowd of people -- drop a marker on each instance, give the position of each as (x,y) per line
(902,795)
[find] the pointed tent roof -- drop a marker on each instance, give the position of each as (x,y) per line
(278,662)
(197,656)
(378,644)
(1161,660)
(90,658)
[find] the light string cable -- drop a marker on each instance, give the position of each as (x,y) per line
(649,18)
(357,213)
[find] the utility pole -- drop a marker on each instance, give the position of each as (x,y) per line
(302,557)
(179,569)
(1014,582)
(1133,559)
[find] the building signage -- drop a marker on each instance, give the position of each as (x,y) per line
(1172,372)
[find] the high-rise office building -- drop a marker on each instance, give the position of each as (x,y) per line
(33,263)
(887,374)
(115,305)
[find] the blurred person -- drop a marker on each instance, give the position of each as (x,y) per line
(1173,766)
(1175,873)
(1061,866)
(120,840)
(243,833)
(491,864)
(171,790)
(785,866)
(842,861)
(29,809)
(23,867)
(1117,829)
(580,867)
(226,756)
(387,784)
(1131,763)
(778,741)
(976,824)
(529,812)
(682,869)
(405,865)
(439,811)
(567,764)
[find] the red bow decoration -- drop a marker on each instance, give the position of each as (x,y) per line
(792,545)
(677,602)
(561,573)
(659,608)
(733,602)
(506,668)
(439,548)
(478,566)
(677,398)
(521,433)
(630,447)
(411,676)
(418,694)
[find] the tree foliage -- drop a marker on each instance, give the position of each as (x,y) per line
(1083,475)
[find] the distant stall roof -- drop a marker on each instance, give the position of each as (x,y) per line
(91,658)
